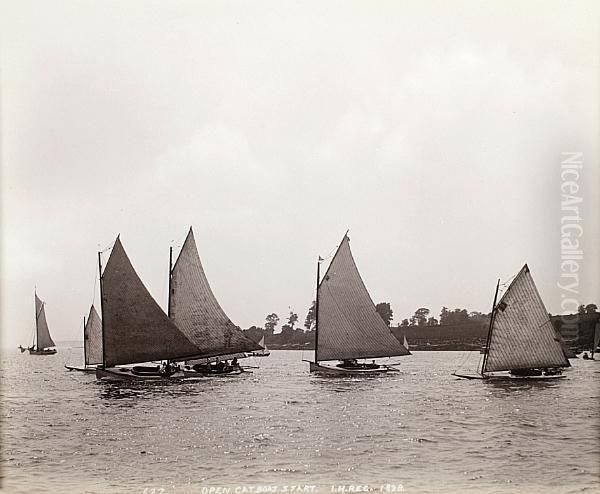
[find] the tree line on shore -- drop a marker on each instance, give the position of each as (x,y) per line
(304,336)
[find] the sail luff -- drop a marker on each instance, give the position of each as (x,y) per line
(349,325)
(523,336)
(197,313)
(135,328)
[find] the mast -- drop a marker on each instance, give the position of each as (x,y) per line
(317,311)
(594,336)
(35,336)
(489,336)
(170,273)
(101,305)
(84,345)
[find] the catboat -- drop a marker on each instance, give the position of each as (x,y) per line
(195,310)
(522,342)
(42,343)
(92,343)
(348,326)
(135,330)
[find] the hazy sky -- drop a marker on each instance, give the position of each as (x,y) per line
(432,130)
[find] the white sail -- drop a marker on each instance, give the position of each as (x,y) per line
(262,343)
(196,311)
(44,340)
(348,323)
(135,328)
(92,338)
(405,344)
(522,335)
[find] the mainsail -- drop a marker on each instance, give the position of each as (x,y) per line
(348,324)
(522,335)
(135,327)
(92,338)
(196,312)
(44,340)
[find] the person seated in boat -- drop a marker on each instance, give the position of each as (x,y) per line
(554,371)
(166,369)
(219,366)
(585,356)
(526,372)
(235,365)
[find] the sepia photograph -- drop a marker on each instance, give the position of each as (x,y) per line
(299,247)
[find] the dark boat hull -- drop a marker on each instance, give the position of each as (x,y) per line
(332,370)
(45,351)
(509,377)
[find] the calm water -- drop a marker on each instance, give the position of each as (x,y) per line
(421,428)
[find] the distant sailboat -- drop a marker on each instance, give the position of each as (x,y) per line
(348,326)
(134,327)
(196,312)
(264,351)
(42,343)
(595,343)
(522,342)
(92,343)
(405,344)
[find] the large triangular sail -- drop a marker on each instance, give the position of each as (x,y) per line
(522,335)
(348,323)
(196,311)
(92,338)
(135,328)
(44,340)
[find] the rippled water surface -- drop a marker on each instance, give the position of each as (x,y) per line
(420,429)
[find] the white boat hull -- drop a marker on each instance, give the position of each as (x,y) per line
(128,374)
(332,370)
(88,370)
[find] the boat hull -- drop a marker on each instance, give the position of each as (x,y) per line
(509,377)
(87,370)
(45,351)
(330,370)
(128,374)
(190,372)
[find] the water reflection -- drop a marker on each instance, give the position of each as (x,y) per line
(135,391)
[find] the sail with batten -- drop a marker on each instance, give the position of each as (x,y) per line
(44,340)
(349,327)
(135,328)
(196,311)
(522,335)
(92,338)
